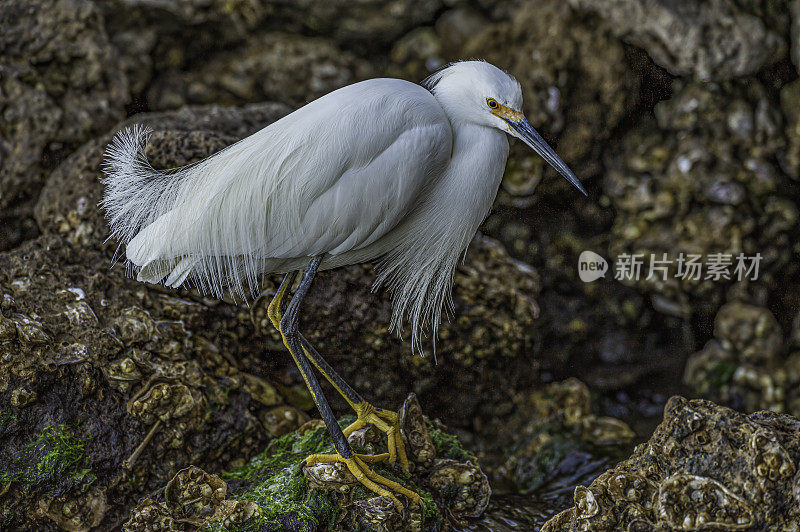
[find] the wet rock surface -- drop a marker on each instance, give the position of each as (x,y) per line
(109,389)
(275,490)
(556,429)
(705,466)
(158,381)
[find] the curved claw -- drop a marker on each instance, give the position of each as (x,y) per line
(386,421)
(357,465)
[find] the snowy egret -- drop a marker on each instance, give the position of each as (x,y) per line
(383,170)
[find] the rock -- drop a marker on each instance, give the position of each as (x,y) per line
(794,9)
(99,407)
(225,21)
(194,499)
(704,179)
(282,493)
(705,466)
(277,67)
(182,34)
(718,40)
(59,85)
(557,429)
(749,365)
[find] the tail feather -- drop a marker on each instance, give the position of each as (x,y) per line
(180,272)
(205,222)
(138,200)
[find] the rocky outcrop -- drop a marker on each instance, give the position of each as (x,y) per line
(267,67)
(749,365)
(705,466)
(60,84)
(276,491)
(718,40)
(708,176)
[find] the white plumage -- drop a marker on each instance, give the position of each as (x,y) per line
(382,170)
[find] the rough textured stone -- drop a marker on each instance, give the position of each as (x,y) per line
(270,67)
(110,387)
(276,491)
(716,40)
(704,178)
(706,467)
(59,84)
(748,365)
(556,428)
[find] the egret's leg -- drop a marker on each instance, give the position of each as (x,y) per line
(357,464)
(384,420)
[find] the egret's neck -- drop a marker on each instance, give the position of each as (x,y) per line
(470,183)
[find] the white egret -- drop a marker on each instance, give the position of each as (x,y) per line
(383,170)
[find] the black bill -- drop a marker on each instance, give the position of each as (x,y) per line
(532,138)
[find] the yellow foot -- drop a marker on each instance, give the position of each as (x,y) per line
(386,421)
(357,465)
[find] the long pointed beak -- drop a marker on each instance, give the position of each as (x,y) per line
(532,138)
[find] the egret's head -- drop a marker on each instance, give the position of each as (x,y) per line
(480,93)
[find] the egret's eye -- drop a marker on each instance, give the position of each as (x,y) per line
(492,103)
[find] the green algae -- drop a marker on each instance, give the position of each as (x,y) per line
(55,457)
(274,480)
(448,446)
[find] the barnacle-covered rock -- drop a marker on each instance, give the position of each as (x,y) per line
(59,84)
(705,466)
(75,512)
(717,40)
(558,425)
(462,484)
(748,365)
(150,516)
(355,23)
(419,447)
(105,409)
(276,67)
(192,492)
(276,490)
(706,180)
(162,401)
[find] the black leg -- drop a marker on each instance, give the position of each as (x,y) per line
(301,351)
(352,396)
(292,337)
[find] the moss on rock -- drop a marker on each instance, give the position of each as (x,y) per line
(55,457)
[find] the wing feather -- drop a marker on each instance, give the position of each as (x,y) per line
(332,177)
